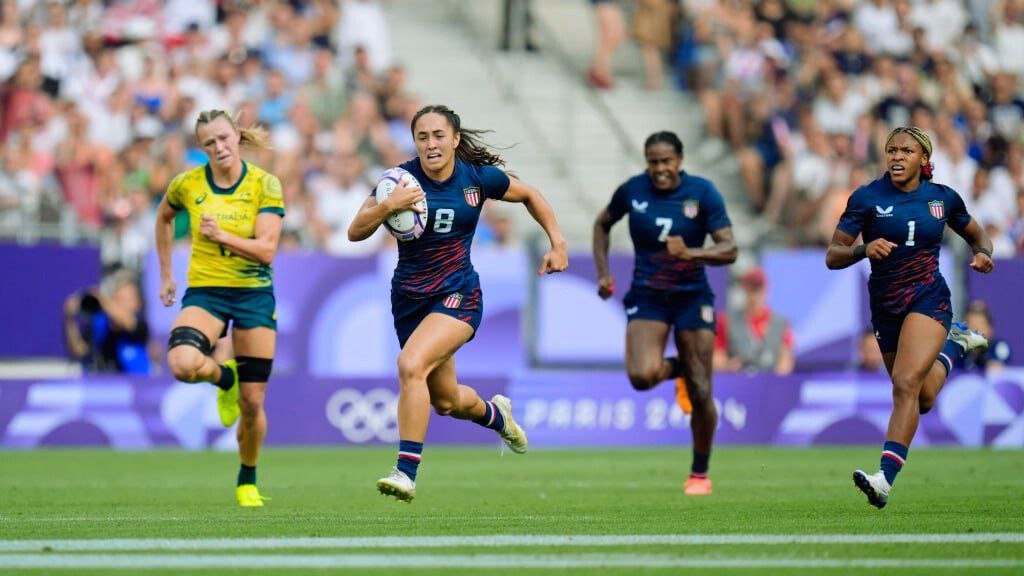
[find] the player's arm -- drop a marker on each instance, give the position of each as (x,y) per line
(842,253)
(557,258)
(722,252)
(980,244)
(165,214)
(601,240)
(261,248)
(371,214)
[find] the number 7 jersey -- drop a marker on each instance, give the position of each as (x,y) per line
(915,222)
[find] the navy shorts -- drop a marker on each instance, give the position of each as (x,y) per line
(933,303)
(465,304)
(680,310)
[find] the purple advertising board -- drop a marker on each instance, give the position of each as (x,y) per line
(36,282)
(1001,290)
(141,413)
(557,409)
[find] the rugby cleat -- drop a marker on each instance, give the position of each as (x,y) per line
(874,486)
(249,496)
(683,397)
(227,400)
(512,433)
(966,338)
(397,484)
(697,486)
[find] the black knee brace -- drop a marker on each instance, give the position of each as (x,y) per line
(189,336)
(252,369)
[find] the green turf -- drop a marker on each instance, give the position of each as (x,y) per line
(330,493)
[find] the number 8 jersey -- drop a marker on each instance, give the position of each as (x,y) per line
(915,222)
(438,261)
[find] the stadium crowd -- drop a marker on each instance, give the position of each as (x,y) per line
(98,102)
(803,91)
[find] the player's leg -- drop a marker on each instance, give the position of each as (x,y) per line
(435,340)
(921,338)
(646,365)
(449,398)
(696,348)
(190,347)
(254,349)
(960,341)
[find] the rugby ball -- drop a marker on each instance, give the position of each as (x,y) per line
(405,224)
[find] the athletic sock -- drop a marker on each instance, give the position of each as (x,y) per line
(227,378)
(246,475)
(409,456)
(951,354)
(492,417)
(700,464)
(894,456)
(676,370)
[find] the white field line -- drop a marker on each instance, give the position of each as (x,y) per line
(524,540)
(477,562)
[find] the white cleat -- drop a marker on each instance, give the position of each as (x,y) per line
(874,486)
(512,433)
(966,338)
(397,484)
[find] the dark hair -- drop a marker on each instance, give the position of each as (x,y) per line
(471,148)
(926,146)
(667,137)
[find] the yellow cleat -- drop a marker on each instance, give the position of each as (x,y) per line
(249,496)
(227,400)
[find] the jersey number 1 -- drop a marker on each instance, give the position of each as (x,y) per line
(910,233)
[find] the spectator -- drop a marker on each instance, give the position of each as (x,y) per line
(869,355)
(997,355)
(105,327)
(652,29)
(754,339)
(611,31)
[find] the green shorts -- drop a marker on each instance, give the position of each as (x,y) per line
(245,307)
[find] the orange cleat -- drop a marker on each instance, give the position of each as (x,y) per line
(697,486)
(683,397)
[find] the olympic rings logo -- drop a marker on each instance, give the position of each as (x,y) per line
(364,417)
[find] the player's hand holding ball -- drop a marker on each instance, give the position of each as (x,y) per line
(879,248)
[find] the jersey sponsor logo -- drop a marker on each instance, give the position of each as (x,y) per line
(707,314)
(453,300)
(201,199)
(691,208)
(472,195)
(632,310)
(937,208)
(883,212)
(639,207)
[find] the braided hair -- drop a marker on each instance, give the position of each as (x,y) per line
(922,138)
(471,148)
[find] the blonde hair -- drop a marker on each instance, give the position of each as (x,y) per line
(252,136)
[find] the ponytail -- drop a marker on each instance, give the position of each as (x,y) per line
(252,136)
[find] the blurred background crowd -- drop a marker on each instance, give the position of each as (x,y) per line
(98,100)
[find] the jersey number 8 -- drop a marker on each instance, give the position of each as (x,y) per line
(443,219)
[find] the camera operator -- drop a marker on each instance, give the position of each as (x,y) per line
(105,328)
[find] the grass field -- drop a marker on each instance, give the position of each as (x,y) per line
(477,511)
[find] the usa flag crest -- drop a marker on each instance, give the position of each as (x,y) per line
(691,208)
(453,300)
(937,209)
(472,195)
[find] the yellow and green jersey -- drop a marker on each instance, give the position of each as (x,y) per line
(236,209)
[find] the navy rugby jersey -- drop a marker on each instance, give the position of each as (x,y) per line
(693,210)
(438,261)
(915,222)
